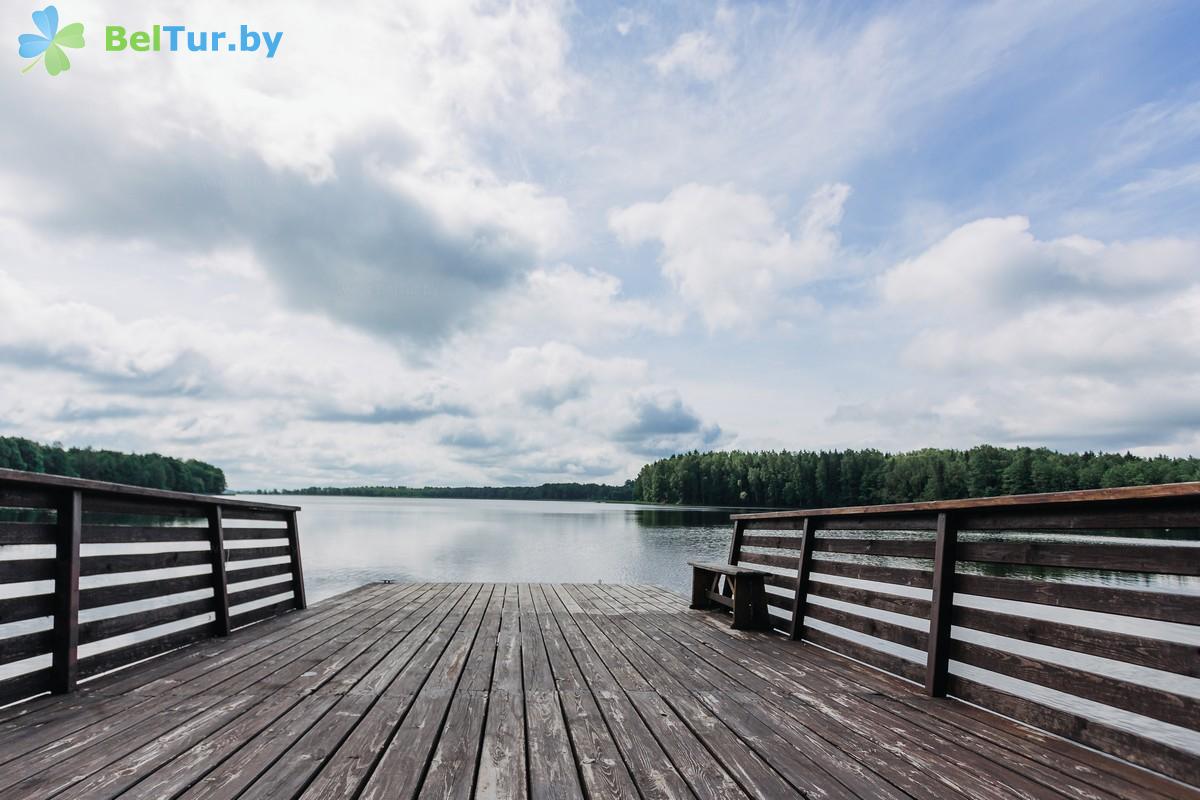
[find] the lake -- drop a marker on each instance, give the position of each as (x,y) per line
(349,541)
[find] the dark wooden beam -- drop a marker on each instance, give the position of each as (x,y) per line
(216,541)
(293,535)
(808,537)
(735,543)
(941,613)
(65,654)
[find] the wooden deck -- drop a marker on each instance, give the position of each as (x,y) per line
(508,691)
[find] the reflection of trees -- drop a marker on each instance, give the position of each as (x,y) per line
(680,518)
(25,515)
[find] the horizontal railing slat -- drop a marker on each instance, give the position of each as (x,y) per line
(256,515)
(901,576)
(869,523)
(146,508)
(126,534)
(26,569)
(53,484)
(888,631)
(258,592)
(18,609)
(1164,559)
(1160,654)
(1074,519)
(237,576)
(238,534)
(140,562)
(775,542)
(27,533)
(1109,600)
(252,553)
(780,581)
(779,601)
(28,645)
(770,560)
(906,548)
(130,623)
(100,596)
(20,497)
(910,606)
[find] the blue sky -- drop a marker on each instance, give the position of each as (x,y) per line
(509,243)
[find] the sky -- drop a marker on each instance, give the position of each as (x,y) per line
(480,243)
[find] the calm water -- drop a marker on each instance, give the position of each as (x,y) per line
(349,541)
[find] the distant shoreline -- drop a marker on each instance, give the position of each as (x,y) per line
(347,493)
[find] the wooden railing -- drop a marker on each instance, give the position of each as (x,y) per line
(158,570)
(1044,608)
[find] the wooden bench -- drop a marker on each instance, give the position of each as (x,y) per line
(749,597)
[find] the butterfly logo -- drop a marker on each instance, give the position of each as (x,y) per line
(48,46)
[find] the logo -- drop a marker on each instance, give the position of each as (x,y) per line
(175,38)
(48,46)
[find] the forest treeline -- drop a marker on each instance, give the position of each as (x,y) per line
(808,479)
(151,470)
(547,491)
(763,479)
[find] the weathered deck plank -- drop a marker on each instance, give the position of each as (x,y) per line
(541,691)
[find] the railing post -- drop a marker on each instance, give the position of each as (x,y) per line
(65,658)
(803,569)
(942,610)
(216,540)
(735,544)
(293,534)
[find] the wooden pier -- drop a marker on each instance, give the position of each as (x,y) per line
(863,644)
(509,691)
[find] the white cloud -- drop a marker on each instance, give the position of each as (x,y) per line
(1071,342)
(467,201)
(1079,338)
(697,55)
(998,264)
(726,252)
(296,399)
(578,306)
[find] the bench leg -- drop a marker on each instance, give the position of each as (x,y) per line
(762,619)
(701,584)
(749,605)
(743,605)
